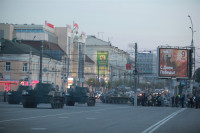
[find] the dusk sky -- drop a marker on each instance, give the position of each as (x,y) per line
(150,23)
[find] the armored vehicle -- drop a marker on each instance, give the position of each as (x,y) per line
(43,93)
(114,97)
(15,97)
(80,95)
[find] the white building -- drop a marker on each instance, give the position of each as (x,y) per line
(117,59)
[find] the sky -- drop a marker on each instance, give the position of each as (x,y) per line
(150,23)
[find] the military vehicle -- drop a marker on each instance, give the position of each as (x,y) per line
(80,95)
(115,96)
(15,97)
(43,93)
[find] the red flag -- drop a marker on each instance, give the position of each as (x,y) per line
(48,24)
(76,25)
(128,66)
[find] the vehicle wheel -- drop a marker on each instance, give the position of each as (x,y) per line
(34,105)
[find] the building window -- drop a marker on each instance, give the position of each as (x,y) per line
(25,67)
(33,70)
(7,66)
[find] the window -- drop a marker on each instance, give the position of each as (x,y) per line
(25,67)
(7,66)
(33,70)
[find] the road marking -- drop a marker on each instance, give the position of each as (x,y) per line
(97,112)
(90,118)
(63,117)
(26,118)
(161,122)
(38,128)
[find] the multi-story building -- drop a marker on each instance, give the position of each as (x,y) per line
(57,40)
(7,31)
(76,60)
(35,32)
(110,61)
(20,62)
(146,66)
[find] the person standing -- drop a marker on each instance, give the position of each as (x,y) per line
(176,100)
(182,100)
(196,101)
(173,98)
(5,96)
(191,102)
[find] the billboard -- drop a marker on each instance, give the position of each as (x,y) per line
(173,63)
(102,62)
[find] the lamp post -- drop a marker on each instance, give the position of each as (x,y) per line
(193,51)
(192,43)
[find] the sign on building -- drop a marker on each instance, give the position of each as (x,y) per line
(102,62)
(128,66)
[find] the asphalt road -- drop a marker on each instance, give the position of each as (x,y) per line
(103,118)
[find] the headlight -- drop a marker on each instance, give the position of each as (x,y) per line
(25,92)
(9,93)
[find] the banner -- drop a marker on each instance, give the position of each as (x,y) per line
(102,62)
(173,63)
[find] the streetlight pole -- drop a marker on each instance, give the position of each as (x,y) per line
(135,76)
(41,55)
(193,52)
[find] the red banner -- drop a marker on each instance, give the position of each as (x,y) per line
(128,66)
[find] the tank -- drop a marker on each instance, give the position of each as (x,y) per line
(43,93)
(80,95)
(115,96)
(15,97)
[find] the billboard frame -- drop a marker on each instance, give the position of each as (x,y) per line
(189,59)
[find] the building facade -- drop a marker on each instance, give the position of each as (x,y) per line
(110,62)
(35,32)
(20,62)
(146,66)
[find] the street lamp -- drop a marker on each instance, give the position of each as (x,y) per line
(193,50)
(192,43)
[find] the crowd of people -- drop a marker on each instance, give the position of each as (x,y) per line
(150,99)
(180,100)
(191,101)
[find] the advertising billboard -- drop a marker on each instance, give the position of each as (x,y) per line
(173,63)
(102,62)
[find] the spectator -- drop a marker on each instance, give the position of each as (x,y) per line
(4,94)
(173,98)
(197,101)
(182,99)
(176,100)
(191,102)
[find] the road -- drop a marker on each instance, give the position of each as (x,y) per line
(103,118)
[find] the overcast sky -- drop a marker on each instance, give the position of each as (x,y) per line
(150,23)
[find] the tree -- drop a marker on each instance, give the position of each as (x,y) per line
(91,82)
(197,75)
(103,83)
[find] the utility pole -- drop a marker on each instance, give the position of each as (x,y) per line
(68,56)
(30,64)
(98,74)
(48,72)
(41,54)
(101,34)
(135,76)
(193,55)
(111,77)
(64,73)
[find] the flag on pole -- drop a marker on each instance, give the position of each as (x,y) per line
(76,25)
(49,25)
